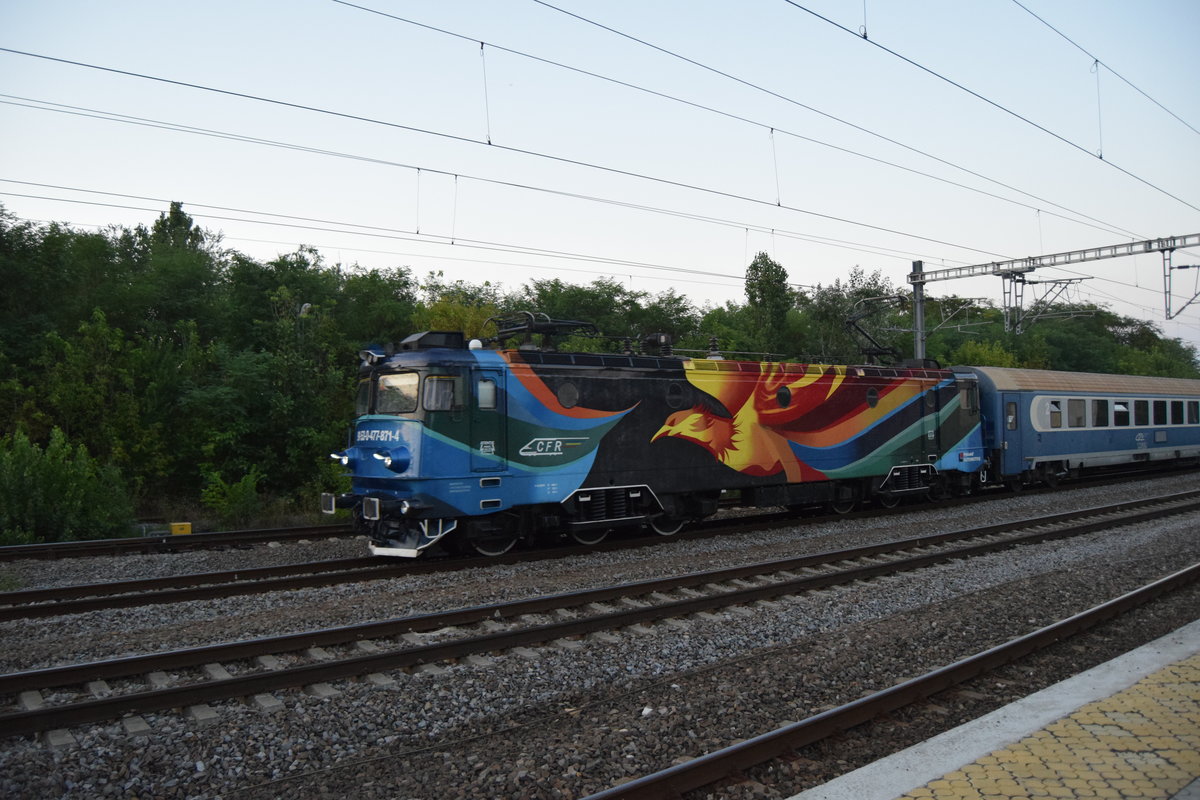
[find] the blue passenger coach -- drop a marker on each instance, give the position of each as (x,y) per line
(1042,425)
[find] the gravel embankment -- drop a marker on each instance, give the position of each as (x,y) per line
(573,722)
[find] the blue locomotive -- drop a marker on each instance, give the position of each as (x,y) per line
(480,448)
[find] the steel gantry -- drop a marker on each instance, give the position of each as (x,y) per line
(1013,274)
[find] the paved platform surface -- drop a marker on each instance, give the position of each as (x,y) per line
(1126,729)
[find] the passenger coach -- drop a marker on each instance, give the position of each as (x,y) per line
(1043,425)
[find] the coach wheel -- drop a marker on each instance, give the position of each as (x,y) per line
(665,525)
(1015,484)
(588,536)
(1050,475)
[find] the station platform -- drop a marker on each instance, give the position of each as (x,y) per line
(1129,728)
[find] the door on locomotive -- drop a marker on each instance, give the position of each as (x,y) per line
(489,441)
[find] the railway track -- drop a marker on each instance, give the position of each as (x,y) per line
(166,543)
(726,764)
(310,659)
(81,598)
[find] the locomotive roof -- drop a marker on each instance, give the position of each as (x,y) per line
(1038,380)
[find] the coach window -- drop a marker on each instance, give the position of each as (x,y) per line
(439,393)
(1193,408)
(485,390)
(397,394)
(1076,414)
(1121,413)
(1055,408)
(1176,412)
(1010,416)
(1160,412)
(1141,412)
(1099,413)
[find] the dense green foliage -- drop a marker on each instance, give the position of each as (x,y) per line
(58,493)
(156,369)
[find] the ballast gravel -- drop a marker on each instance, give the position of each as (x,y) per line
(575,721)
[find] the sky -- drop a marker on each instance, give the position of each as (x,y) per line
(659,143)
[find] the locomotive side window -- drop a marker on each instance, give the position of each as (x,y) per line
(1176,412)
(1141,412)
(1010,416)
(397,394)
(1121,414)
(966,400)
(568,394)
(1076,413)
(1055,409)
(362,401)
(872,397)
(1193,408)
(1160,412)
(485,390)
(439,393)
(674,395)
(1100,413)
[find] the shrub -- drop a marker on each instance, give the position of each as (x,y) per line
(235,504)
(59,493)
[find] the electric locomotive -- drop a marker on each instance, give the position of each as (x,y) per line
(478,448)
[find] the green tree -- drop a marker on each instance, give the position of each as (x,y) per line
(768,300)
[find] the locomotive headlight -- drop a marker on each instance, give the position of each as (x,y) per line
(397,459)
(341,458)
(405,506)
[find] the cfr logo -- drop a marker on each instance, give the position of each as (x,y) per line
(551,446)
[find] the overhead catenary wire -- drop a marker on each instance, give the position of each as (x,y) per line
(143,121)
(1113,72)
(1099,224)
(508,148)
(990,102)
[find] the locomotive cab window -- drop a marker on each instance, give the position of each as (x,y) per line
(362,400)
(440,393)
(397,394)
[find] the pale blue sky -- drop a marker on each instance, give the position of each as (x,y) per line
(742,179)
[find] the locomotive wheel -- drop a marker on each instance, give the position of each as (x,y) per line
(887,499)
(589,536)
(664,525)
(842,506)
(494,545)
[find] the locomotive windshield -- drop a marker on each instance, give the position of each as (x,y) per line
(397,394)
